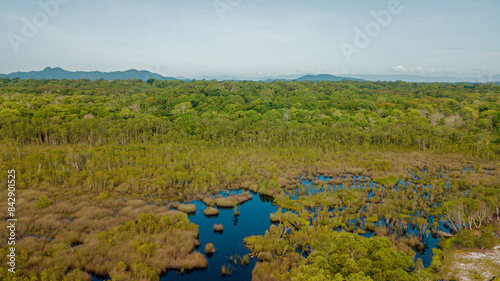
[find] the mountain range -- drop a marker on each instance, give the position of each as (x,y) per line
(59,73)
(326,77)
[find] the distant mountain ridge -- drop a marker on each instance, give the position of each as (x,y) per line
(326,77)
(59,73)
(316,78)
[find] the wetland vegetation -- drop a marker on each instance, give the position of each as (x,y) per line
(356,180)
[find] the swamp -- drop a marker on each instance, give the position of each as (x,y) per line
(208,180)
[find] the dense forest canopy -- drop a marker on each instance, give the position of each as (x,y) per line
(436,116)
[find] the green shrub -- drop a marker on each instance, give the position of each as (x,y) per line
(274,217)
(446,243)
(103,195)
(476,239)
(387,181)
(487,239)
(266,192)
(466,239)
(43,202)
(370,226)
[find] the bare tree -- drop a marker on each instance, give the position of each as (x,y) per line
(454,213)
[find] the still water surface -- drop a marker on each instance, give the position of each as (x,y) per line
(253,220)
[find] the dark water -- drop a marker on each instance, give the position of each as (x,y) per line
(253,220)
(98,278)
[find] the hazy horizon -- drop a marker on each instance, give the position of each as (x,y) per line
(253,38)
(409,77)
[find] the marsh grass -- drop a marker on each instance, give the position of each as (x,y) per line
(163,242)
(66,234)
(209,201)
(209,249)
(267,192)
(226,202)
(92,212)
(218,227)
(136,203)
(354,171)
(211,211)
(245,185)
(254,187)
(187,208)
(283,182)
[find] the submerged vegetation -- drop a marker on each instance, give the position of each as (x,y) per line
(101,165)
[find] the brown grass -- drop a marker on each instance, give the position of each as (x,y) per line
(209,201)
(227,202)
(210,211)
(209,248)
(187,208)
(267,192)
(254,187)
(218,227)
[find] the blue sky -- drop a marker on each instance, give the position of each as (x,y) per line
(253,38)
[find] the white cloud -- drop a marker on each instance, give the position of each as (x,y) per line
(404,69)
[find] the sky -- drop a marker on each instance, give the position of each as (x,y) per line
(253,38)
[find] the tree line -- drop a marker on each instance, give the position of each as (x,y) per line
(413,116)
